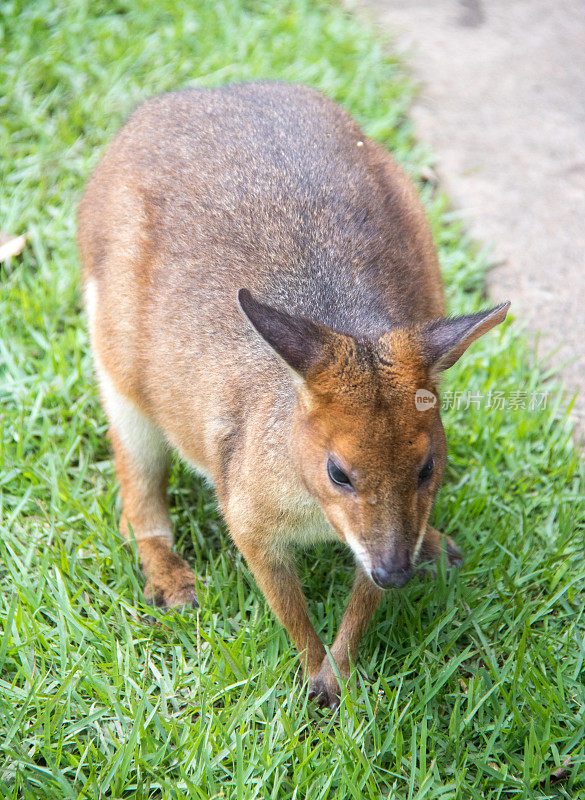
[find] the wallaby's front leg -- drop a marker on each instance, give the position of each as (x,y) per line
(279,582)
(142,461)
(364,600)
(433,544)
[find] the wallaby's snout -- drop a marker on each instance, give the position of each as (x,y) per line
(393,568)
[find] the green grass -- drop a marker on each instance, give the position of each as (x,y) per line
(475,681)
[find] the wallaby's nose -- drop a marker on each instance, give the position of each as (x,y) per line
(394,569)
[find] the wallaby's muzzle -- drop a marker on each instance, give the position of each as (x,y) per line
(394,568)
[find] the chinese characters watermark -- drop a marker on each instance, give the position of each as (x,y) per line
(496,400)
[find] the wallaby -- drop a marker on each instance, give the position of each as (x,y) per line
(264,297)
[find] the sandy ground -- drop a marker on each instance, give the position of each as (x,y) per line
(502,104)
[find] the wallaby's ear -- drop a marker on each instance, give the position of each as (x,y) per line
(445,340)
(298,341)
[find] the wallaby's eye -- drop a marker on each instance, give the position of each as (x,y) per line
(426,472)
(337,475)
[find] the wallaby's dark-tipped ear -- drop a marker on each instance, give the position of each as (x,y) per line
(298,341)
(445,340)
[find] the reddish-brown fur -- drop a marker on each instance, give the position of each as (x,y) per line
(273,189)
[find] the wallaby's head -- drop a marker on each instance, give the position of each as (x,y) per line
(368,437)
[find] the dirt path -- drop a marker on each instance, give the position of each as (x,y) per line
(502,104)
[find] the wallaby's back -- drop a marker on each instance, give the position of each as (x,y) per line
(266,185)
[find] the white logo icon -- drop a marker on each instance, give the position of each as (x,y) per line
(423,400)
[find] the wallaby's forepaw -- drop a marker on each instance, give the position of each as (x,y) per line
(180,593)
(324,688)
(432,547)
(454,555)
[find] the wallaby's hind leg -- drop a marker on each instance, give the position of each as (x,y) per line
(142,465)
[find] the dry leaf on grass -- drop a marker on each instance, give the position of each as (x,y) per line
(10,245)
(559,774)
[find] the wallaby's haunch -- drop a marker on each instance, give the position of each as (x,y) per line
(264,297)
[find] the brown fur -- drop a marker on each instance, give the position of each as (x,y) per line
(273,188)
